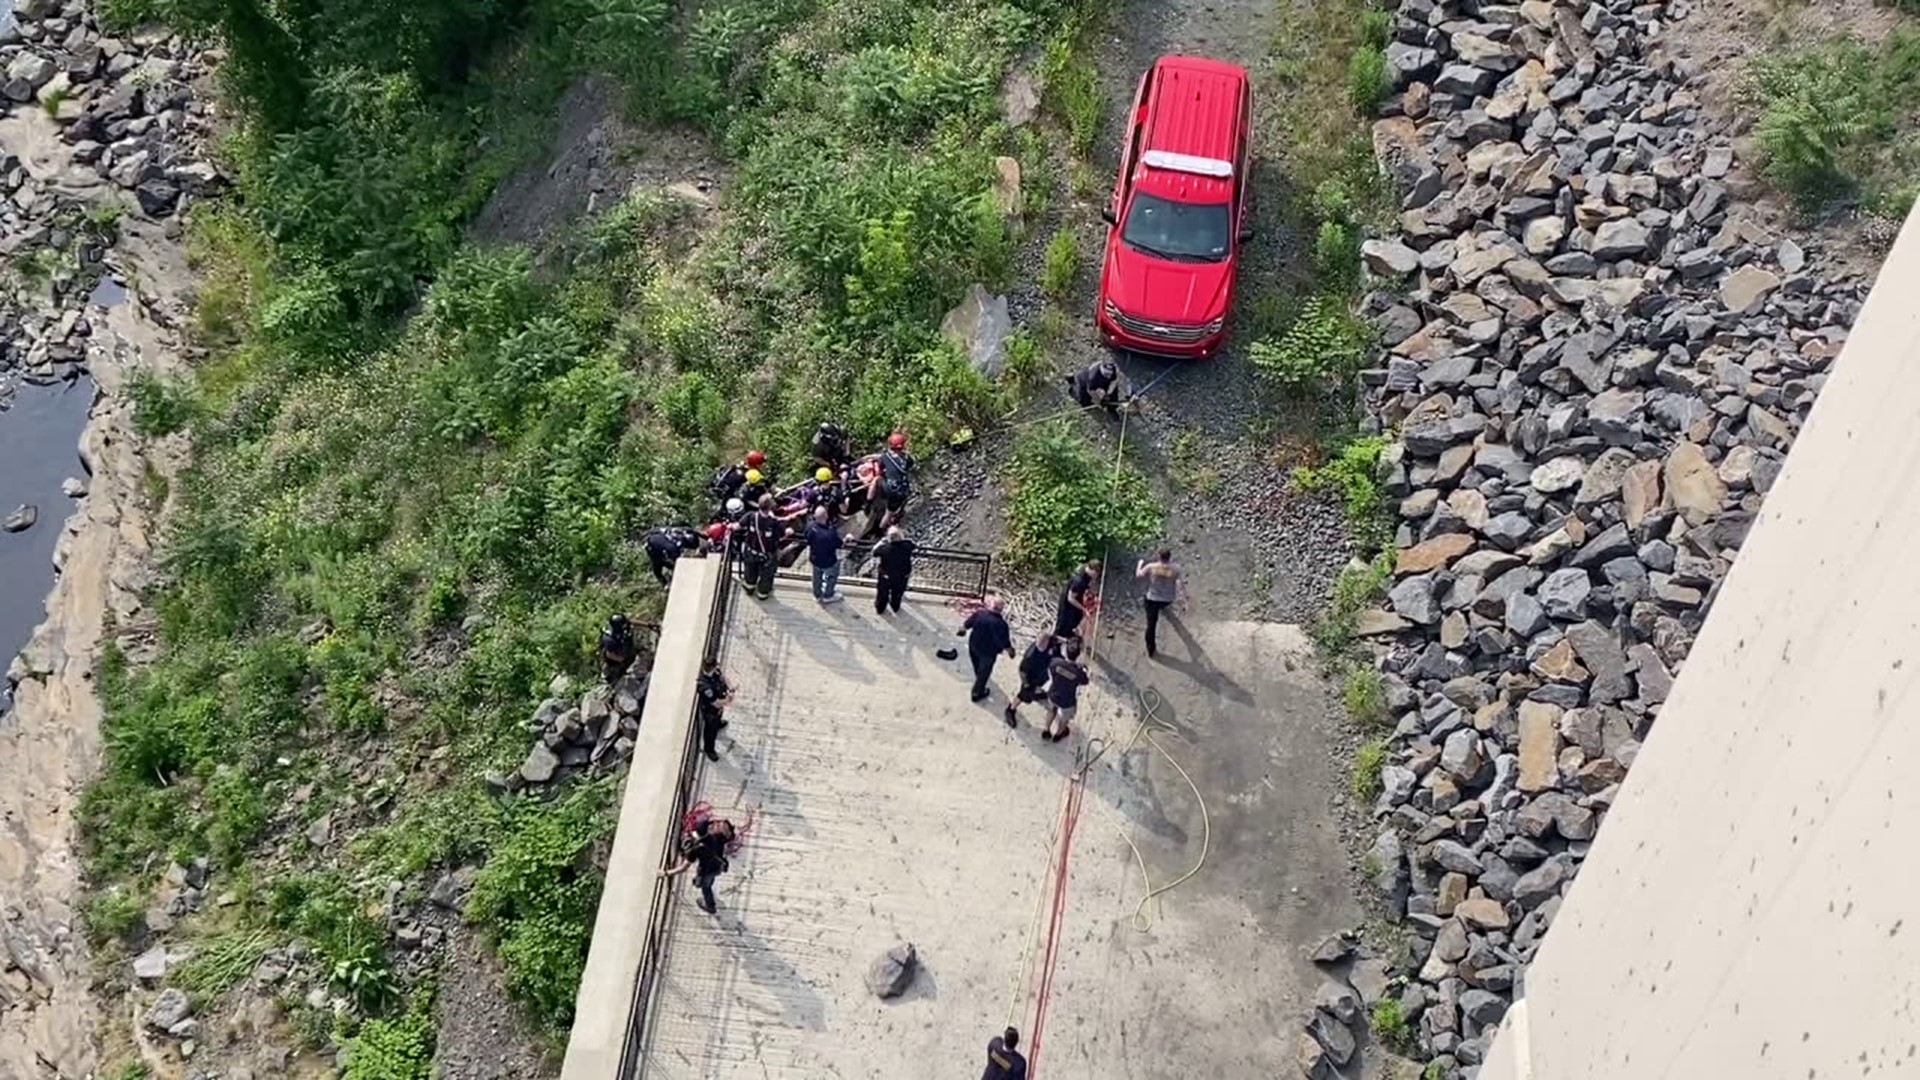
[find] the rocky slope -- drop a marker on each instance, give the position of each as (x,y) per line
(96,138)
(1596,364)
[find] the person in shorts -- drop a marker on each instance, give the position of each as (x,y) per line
(1038,658)
(1066,675)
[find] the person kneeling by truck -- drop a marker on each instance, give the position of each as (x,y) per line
(1101,383)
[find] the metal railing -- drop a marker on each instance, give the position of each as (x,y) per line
(936,572)
(661,910)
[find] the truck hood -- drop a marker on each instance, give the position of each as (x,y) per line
(1160,290)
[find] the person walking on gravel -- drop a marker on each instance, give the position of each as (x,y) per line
(1163,588)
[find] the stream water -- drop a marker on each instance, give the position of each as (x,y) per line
(39,438)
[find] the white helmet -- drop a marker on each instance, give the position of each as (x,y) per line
(735,506)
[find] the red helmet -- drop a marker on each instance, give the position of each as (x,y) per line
(897,440)
(717,531)
(755,459)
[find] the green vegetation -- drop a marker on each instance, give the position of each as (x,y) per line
(1060,263)
(1839,120)
(1193,466)
(1434,1071)
(1325,341)
(1069,502)
(1390,1025)
(221,963)
(128,1070)
(396,1048)
(113,914)
(1368,760)
(1071,80)
(1353,470)
(1365,698)
(1356,590)
(420,462)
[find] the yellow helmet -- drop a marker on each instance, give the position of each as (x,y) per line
(753,476)
(823,474)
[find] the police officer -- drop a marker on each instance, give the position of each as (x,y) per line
(616,648)
(1035,670)
(665,545)
(714,694)
(1100,383)
(1003,1061)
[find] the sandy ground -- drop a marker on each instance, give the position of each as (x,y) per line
(886,807)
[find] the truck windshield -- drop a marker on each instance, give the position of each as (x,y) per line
(1188,232)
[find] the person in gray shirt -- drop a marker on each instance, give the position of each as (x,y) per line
(1163,588)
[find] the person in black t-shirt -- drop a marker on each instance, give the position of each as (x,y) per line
(987,637)
(714,694)
(1076,602)
(1066,675)
(704,850)
(895,555)
(1034,672)
(1003,1061)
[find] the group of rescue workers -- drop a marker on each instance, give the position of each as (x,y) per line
(765,527)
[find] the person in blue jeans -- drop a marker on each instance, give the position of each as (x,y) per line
(823,551)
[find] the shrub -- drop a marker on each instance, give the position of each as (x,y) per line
(1368,82)
(1829,111)
(1355,474)
(1376,27)
(1368,761)
(1355,590)
(1060,264)
(1365,697)
(1073,87)
(395,1048)
(1069,504)
(1336,258)
(1390,1025)
(536,896)
(160,407)
(1323,343)
(113,913)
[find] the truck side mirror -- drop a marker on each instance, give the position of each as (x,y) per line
(1107,215)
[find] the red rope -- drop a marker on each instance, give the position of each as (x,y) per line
(1050,955)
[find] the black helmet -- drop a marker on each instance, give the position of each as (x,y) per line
(826,427)
(618,622)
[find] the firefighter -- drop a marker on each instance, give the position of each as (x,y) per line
(891,481)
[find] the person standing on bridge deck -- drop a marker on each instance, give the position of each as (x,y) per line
(704,850)
(1003,1061)
(1076,600)
(761,532)
(1033,675)
(987,637)
(823,553)
(1163,588)
(1066,675)
(713,694)
(895,556)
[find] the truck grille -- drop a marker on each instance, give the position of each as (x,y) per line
(1178,333)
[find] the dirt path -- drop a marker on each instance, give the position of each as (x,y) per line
(49,747)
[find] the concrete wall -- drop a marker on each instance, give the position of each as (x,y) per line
(640,843)
(1749,909)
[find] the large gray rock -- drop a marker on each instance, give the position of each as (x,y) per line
(1599,649)
(1335,1036)
(167,1011)
(892,971)
(1413,599)
(1746,290)
(540,765)
(1339,1000)
(1560,474)
(1564,593)
(1621,239)
(31,69)
(1389,258)
(978,326)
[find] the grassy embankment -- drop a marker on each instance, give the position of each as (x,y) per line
(421,464)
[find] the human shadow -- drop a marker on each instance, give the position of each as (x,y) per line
(762,963)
